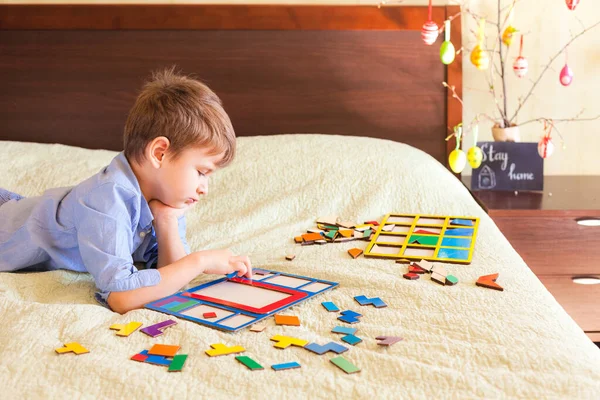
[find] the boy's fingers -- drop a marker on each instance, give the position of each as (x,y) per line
(240,267)
(245,261)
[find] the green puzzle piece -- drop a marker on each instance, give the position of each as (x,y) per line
(248,362)
(424,240)
(177,363)
(181,306)
(345,365)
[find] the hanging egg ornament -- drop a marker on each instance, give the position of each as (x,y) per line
(546,147)
(430,32)
(447,51)
(480,58)
(457,158)
(521,66)
(566,76)
(475,155)
(572,4)
(507,36)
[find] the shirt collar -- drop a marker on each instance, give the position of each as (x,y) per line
(122,163)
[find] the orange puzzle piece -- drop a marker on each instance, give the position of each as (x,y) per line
(355,252)
(287,320)
(489,281)
(166,350)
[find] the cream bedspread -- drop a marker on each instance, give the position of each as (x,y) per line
(459,342)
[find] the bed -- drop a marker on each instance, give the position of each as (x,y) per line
(353,135)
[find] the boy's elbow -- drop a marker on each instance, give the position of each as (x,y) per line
(119,302)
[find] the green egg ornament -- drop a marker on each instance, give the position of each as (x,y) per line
(447,51)
(475,156)
(457,161)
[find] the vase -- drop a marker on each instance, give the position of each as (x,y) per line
(506,134)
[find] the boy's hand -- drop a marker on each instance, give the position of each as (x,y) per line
(162,212)
(224,262)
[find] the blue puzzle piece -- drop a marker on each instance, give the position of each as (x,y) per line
(456,242)
(344,330)
(159,360)
(364,301)
(351,339)
(349,317)
(465,222)
(231,275)
(329,306)
(289,365)
(459,232)
(454,254)
(331,346)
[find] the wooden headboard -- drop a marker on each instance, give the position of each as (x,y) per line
(70,73)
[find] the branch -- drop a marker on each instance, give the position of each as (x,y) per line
(560,120)
(548,66)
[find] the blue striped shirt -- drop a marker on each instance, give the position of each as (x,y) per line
(102,226)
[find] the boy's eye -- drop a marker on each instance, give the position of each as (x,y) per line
(201,173)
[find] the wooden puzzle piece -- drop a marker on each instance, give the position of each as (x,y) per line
(158,329)
(210,314)
(177,363)
(248,362)
(284,342)
(311,237)
(346,224)
(465,222)
(282,366)
(345,330)
(231,275)
(344,365)
(259,271)
(415,269)
(166,350)
(331,346)
(375,301)
(349,317)
(72,347)
(141,357)
(290,257)
(329,220)
(438,269)
(219,349)
(424,265)
(258,327)
(489,281)
(126,330)
(388,340)
(355,252)
(347,233)
(298,239)
(287,320)
(451,280)
(158,360)
(438,278)
(374,223)
(351,339)
(459,231)
(330,306)
(425,231)
(410,276)
(424,240)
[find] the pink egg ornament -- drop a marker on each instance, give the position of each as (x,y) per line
(545,147)
(429,32)
(521,66)
(566,76)
(572,4)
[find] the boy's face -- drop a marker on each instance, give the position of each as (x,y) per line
(183,180)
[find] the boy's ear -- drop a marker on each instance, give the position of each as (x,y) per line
(157,150)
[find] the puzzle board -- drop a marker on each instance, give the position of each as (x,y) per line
(240,302)
(425,237)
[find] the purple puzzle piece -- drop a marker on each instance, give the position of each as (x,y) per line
(331,346)
(157,329)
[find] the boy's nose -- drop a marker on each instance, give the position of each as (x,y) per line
(202,189)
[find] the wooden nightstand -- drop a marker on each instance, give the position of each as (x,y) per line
(543,228)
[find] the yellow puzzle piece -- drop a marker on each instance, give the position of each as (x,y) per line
(286,341)
(72,347)
(219,349)
(126,330)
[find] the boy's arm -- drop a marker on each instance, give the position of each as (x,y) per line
(173,277)
(170,246)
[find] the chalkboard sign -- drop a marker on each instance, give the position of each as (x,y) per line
(509,166)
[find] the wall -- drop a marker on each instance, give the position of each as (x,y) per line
(546,30)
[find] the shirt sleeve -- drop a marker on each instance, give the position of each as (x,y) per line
(153,258)
(105,239)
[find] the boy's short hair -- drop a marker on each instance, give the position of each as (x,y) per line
(182,109)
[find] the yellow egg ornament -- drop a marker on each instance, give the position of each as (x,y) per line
(480,57)
(475,155)
(447,51)
(457,158)
(507,36)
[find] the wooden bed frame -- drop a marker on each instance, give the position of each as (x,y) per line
(70,73)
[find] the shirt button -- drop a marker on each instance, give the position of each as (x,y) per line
(142,234)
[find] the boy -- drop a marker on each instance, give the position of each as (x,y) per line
(176,135)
